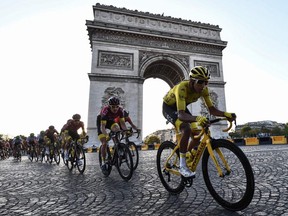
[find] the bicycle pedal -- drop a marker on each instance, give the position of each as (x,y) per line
(188,181)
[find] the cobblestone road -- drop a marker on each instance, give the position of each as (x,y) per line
(34,188)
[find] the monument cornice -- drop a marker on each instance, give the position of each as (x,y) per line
(202,46)
(115,78)
(91,25)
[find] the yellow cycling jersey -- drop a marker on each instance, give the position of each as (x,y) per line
(181,95)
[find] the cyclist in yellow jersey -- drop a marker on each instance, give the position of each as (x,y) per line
(176,112)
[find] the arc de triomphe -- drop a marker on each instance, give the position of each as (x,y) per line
(129,46)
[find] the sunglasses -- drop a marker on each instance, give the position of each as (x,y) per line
(200,82)
(114,106)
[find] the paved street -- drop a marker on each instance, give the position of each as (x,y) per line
(35,188)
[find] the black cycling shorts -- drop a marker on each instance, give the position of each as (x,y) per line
(171,113)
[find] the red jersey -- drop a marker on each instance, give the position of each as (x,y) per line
(126,119)
(108,115)
(72,125)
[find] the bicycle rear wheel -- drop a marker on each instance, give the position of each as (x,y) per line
(108,158)
(234,191)
(173,183)
(80,159)
(124,161)
(134,153)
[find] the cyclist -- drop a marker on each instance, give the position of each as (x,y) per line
(50,133)
(31,141)
(41,142)
(176,112)
(17,145)
(71,129)
(106,120)
(126,119)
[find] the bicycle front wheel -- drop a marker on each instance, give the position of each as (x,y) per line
(124,161)
(80,159)
(57,156)
(71,158)
(134,153)
(106,172)
(235,189)
(171,181)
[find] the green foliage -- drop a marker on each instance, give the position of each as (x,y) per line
(151,139)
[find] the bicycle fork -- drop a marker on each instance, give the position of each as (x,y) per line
(170,168)
(214,159)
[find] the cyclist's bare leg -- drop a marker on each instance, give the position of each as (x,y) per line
(104,147)
(186,132)
(194,142)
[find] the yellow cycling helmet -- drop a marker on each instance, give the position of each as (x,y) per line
(200,73)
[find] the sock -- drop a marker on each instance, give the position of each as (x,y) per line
(182,159)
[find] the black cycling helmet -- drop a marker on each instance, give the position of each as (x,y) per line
(51,127)
(113,101)
(76,117)
(200,73)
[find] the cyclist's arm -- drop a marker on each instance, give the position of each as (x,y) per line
(128,119)
(103,127)
(214,111)
(185,117)
(122,123)
(83,129)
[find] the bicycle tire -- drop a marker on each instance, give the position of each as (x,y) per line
(240,181)
(124,162)
(80,159)
(106,172)
(134,153)
(57,156)
(30,156)
(71,158)
(51,156)
(35,155)
(173,183)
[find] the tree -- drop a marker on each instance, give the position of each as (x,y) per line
(151,139)
(245,131)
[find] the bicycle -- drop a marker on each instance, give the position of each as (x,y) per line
(119,156)
(226,170)
(17,152)
(54,152)
(76,154)
(132,147)
(32,155)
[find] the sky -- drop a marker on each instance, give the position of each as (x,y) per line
(46,57)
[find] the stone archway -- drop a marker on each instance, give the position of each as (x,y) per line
(131,46)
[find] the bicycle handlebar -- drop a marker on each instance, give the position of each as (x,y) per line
(212,122)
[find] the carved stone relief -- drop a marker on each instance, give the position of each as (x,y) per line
(213,67)
(114,91)
(204,110)
(115,60)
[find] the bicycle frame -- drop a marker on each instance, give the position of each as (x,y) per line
(204,143)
